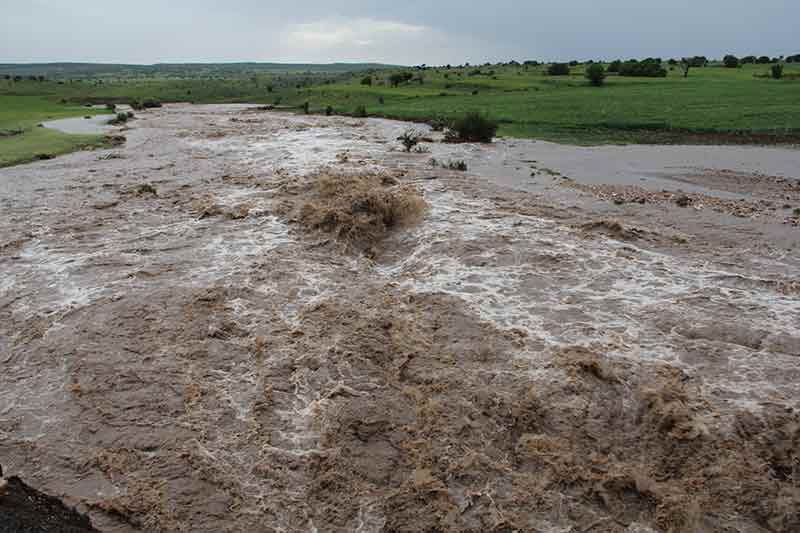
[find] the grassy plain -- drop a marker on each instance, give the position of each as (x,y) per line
(21,140)
(713,105)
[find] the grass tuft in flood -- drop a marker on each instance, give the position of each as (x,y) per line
(360,209)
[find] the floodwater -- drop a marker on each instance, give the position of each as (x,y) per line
(93,125)
(527,357)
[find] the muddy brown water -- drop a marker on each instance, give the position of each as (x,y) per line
(515,361)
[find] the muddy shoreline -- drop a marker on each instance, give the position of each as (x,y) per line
(180,354)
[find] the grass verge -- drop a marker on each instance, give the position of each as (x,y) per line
(22,114)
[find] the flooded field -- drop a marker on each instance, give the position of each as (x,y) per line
(568,339)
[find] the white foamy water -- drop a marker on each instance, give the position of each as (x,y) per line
(564,289)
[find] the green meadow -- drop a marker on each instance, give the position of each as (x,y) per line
(712,105)
(22,140)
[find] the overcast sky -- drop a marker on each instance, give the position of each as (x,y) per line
(399,31)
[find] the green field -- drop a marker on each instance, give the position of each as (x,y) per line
(713,105)
(21,140)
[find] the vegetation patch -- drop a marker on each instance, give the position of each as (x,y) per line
(458,165)
(146,189)
(360,209)
(693,100)
(472,127)
(409,139)
(12,132)
(596,74)
(648,68)
(558,69)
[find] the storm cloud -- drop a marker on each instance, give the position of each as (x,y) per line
(409,32)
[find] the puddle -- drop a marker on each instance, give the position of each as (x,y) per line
(95,125)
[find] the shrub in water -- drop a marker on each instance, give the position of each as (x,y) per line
(438,124)
(146,188)
(121,118)
(360,112)
(472,127)
(409,140)
(596,74)
(328,111)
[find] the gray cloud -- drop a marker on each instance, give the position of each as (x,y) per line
(408,32)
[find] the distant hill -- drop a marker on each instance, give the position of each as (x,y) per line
(178,70)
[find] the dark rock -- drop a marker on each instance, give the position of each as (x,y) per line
(24,509)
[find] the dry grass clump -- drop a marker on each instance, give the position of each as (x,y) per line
(143,506)
(360,209)
(206,207)
(613,229)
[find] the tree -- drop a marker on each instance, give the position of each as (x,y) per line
(367,80)
(399,77)
(558,69)
(649,68)
(699,61)
(686,64)
(763,60)
(730,61)
(614,66)
(596,74)
(777,71)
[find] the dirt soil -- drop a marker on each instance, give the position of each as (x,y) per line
(183,351)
